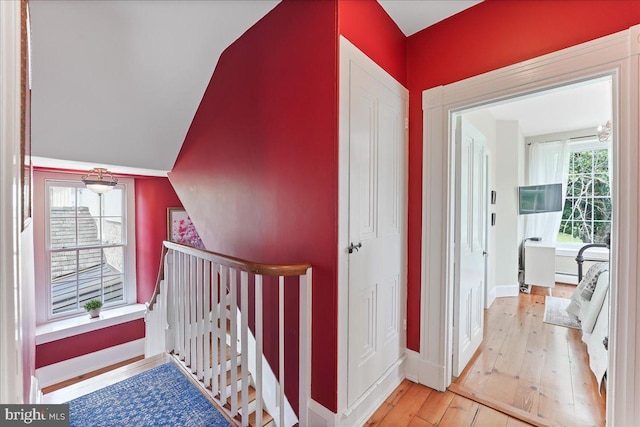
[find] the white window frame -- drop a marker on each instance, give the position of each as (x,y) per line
(577,146)
(42,180)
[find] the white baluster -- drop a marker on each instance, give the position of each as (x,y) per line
(192,315)
(183,307)
(169,296)
(304,378)
(207,322)
(215,334)
(174,301)
(259,341)
(282,400)
(200,317)
(244,346)
(224,273)
(233,315)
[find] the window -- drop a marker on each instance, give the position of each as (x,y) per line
(88,247)
(586,217)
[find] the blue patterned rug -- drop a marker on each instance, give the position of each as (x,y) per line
(161,396)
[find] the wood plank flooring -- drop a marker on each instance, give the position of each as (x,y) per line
(414,405)
(91,374)
(523,367)
(98,380)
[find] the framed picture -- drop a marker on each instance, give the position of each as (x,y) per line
(181,230)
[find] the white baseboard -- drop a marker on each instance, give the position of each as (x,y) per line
(507,291)
(426,372)
(566,278)
(35,395)
(363,409)
(67,369)
(412,365)
(319,416)
(491,297)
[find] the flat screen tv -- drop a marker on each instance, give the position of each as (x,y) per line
(534,199)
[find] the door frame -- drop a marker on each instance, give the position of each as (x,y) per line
(617,55)
(360,411)
(11,318)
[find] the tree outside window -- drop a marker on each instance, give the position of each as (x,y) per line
(586,217)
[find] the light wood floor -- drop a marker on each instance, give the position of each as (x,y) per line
(77,387)
(414,405)
(524,366)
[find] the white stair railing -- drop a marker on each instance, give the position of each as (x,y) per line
(200,313)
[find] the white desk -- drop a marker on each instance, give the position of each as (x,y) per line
(540,264)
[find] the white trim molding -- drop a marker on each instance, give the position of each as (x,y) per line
(507,291)
(71,368)
(11,353)
(66,328)
(616,55)
(363,409)
(41,182)
(491,297)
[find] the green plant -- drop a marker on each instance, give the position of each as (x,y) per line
(93,305)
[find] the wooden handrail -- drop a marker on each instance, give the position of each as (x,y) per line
(159,278)
(226,260)
(241,264)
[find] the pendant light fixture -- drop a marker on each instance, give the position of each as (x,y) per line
(99,180)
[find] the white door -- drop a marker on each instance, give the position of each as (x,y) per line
(376,228)
(470,246)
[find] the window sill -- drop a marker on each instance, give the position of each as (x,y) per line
(60,329)
(592,253)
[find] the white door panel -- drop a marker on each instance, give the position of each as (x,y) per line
(471,217)
(376,200)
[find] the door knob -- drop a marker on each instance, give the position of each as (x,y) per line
(353,247)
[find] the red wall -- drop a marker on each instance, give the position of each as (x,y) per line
(369,27)
(153,196)
(78,345)
(490,35)
(258,168)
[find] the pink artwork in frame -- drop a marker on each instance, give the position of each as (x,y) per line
(181,230)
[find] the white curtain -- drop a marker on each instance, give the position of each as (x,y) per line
(548,164)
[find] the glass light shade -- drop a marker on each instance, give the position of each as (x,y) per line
(99,180)
(99,187)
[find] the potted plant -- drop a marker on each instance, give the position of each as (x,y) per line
(93,307)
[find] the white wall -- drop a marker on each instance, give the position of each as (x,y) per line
(483,121)
(509,170)
(111,85)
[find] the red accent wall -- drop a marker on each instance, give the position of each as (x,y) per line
(488,36)
(78,345)
(258,168)
(153,196)
(368,26)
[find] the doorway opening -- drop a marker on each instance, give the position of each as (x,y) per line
(560,137)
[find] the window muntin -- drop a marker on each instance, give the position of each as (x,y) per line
(586,217)
(86,245)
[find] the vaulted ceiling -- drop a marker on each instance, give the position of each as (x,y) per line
(117,83)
